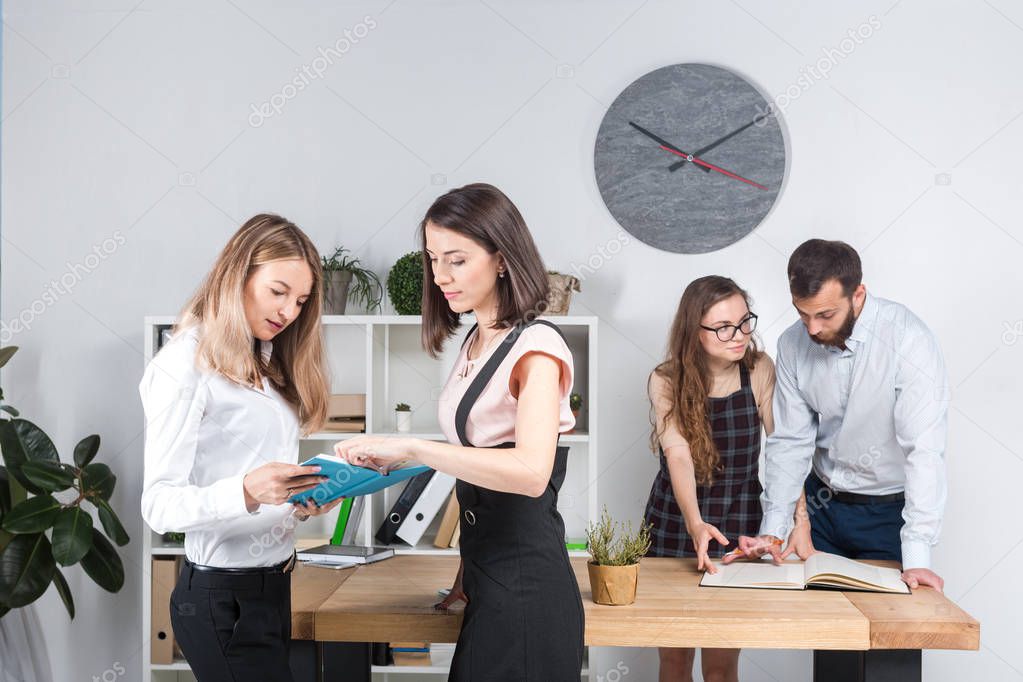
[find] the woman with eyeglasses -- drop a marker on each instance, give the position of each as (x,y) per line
(709,399)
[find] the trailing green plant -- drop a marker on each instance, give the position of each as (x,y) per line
(52,526)
(575,401)
(402,407)
(615,544)
(405,284)
(365,286)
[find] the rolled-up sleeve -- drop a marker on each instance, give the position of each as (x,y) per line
(789,449)
(921,425)
(174,396)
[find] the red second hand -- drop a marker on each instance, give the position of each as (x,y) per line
(701,162)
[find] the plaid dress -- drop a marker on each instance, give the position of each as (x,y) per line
(732,501)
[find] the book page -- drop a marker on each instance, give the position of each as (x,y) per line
(831,569)
(762,574)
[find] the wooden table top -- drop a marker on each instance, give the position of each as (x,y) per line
(393,601)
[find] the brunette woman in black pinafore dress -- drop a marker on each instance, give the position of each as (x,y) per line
(501,410)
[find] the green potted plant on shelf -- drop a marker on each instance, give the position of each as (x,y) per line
(405,284)
(342,274)
(575,403)
(45,519)
(614,567)
(402,418)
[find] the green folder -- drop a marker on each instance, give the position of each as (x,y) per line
(344,512)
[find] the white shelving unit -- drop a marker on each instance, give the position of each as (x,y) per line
(382,356)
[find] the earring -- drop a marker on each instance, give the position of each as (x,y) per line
(500,273)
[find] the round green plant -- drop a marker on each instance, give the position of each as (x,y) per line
(405,284)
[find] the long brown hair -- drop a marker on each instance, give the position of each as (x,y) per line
(226,344)
(686,372)
(488,217)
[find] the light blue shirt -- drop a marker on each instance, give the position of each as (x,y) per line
(869,419)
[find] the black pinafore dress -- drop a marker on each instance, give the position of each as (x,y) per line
(732,501)
(524,619)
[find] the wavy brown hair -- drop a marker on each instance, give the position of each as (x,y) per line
(226,343)
(484,214)
(685,370)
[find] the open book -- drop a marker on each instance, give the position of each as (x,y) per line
(820,570)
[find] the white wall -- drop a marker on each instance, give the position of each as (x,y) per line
(132,122)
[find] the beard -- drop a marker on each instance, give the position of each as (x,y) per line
(843,333)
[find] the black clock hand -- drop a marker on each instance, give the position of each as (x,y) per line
(653,137)
(699,152)
(664,143)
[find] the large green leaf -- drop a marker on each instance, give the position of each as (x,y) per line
(5,492)
(26,568)
(111,524)
(10,410)
(64,591)
(34,515)
(103,565)
(86,450)
(51,476)
(6,353)
(98,479)
(22,441)
(72,535)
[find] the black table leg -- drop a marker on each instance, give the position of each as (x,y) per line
(330,661)
(879,665)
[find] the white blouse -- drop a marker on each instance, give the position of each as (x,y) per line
(203,434)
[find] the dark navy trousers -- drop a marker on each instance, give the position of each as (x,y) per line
(856,531)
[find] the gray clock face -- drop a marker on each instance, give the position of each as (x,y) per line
(690,158)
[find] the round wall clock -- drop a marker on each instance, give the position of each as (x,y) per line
(690,158)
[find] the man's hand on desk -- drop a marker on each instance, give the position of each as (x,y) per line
(754,548)
(916,577)
(800,542)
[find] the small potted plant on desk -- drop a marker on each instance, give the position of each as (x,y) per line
(616,552)
(402,418)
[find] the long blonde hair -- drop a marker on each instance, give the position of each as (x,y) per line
(686,372)
(226,344)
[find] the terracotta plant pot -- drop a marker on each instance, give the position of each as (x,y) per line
(613,585)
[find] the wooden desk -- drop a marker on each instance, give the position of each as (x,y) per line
(855,636)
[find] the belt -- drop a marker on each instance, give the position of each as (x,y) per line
(284,567)
(858,498)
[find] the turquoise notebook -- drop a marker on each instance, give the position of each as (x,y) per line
(345,480)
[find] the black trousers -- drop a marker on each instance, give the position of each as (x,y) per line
(233,627)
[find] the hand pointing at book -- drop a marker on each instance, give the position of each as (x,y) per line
(381,453)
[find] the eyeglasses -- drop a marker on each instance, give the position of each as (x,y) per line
(726,332)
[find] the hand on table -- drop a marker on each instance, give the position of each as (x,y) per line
(800,542)
(455,595)
(702,535)
(923,577)
(756,547)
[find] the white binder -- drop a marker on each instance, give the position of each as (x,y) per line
(430,502)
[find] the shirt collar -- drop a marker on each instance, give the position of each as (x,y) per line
(864,326)
(266,349)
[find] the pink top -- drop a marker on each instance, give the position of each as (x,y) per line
(492,418)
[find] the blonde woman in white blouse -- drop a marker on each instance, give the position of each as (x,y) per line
(226,400)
